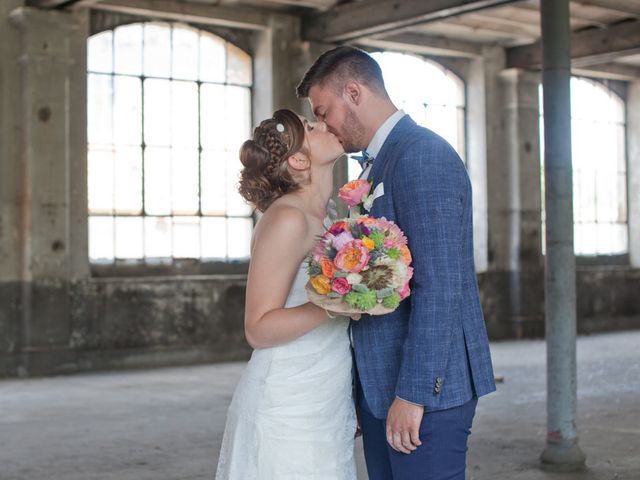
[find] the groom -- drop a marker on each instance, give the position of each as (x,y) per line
(421,368)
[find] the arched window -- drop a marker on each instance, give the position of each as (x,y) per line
(168,108)
(432,95)
(599,169)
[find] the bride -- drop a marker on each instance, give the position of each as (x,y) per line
(292,414)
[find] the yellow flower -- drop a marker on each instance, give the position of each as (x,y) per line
(321,284)
(370,244)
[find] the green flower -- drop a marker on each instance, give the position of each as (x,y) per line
(362,301)
(392,301)
(378,238)
(394,253)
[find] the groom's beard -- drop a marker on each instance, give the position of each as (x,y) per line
(353,133)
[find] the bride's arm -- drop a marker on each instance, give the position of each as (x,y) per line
(281,241)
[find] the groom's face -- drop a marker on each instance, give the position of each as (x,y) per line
(339,116)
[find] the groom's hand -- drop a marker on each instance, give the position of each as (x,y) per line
(403,425)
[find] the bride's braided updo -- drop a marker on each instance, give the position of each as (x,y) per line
(265,176)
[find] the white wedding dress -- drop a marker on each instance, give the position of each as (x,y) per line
(292,415)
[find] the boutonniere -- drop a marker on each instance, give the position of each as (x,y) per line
(356,194)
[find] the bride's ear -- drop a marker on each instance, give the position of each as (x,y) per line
(298,162)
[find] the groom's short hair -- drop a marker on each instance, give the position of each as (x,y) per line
(337,66)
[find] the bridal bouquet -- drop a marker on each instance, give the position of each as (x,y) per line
(361,264)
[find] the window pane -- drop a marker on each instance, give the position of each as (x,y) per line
(127,111)
(185,182)
(157,181)
(129,237)
(128,182)
(239,237)
(100,169)
(214,238)
(239,69)
(212,121)
(157,237)
(185,53)
(101,238)
(100,52)
(214,185)
(184,114)
(99,109)
(237,117)
(212,58)
(157,50)
(128,49)
(157,112)
(620,243)
(186,237)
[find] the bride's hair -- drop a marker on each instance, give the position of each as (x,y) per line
(266,176)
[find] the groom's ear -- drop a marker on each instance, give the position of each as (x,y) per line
(353,92)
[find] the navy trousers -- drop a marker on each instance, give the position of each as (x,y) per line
(442,455)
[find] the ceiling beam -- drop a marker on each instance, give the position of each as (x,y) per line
(630,7)
(49,4)
(233,17)
(611,71)
(356,20)
(588,47)
(423,44)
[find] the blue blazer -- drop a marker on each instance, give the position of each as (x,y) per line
(433,350)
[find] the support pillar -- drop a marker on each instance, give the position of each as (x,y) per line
(633,171)
(522,211)
(52,179)
(562,452)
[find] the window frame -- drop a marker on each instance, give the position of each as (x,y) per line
(617,88)
(172,266)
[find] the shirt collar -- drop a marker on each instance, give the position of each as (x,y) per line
(383,132)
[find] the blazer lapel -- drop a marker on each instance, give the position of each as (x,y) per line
(396,134)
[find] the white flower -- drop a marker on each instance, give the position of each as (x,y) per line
(367,202)
(398,269)
(354,278)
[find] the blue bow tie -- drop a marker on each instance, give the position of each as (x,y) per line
(364,160)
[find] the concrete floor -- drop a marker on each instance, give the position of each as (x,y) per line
(167,424)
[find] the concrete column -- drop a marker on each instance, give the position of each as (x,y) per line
(11,173)
(52,150)
(497,175)
(276,66)
(477,160)
(11,197)
(521,190)
(562,451)
(633,171)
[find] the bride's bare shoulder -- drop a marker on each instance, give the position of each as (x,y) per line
(284,218)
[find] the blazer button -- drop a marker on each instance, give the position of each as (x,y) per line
(437,389)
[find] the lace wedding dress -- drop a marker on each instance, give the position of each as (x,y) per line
(292,414)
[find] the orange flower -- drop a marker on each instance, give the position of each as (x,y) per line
(370,244)
(328,268)
(366,220)
(353,257)
(321,284)
(406,254)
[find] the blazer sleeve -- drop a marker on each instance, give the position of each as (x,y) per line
(431,190)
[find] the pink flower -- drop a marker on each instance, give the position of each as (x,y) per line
(405,291)
(352,257)
(354,192)
(341,240)
(340,285)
